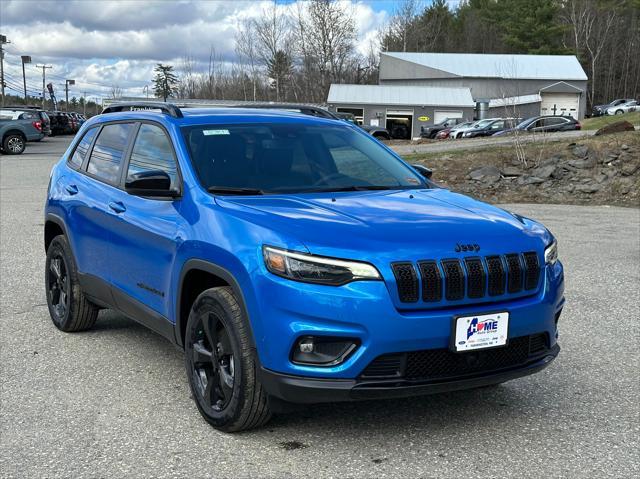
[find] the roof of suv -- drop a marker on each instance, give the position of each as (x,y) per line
(194,116)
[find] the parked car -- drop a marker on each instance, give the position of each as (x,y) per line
(600,110)
(19,127)
(490,127)
(79,119)
(59,123)
(443,134)
(623,108)
(16,130)
(545,124)
(293,258)
(456,131)
(431,131)
(44,118)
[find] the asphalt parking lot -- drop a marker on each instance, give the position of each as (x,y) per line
(114,401)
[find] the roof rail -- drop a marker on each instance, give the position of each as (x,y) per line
(166,108)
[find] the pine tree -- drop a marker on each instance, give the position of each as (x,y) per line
(165,82)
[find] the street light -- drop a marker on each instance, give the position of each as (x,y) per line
(66,93)
(25,59)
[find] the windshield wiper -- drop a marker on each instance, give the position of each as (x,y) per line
(229,190)
(351,188)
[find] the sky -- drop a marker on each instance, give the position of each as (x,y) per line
(100,44)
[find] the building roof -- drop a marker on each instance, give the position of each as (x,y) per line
(400,95)
(479,65)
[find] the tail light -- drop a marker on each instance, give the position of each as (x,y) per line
(37,125)
(578,126)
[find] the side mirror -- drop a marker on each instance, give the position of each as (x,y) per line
(150,183)
(423,170)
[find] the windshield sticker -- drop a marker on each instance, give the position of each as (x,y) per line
(215,132)
(413,181)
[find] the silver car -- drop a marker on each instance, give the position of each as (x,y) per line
(457,132)
(627,107)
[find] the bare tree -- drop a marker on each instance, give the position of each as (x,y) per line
(326,35)
(116,92)
(272,32)
(247,50)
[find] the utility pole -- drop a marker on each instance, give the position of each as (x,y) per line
(44,67)
(25,59)
(66,93)
(3,40)
(84,103)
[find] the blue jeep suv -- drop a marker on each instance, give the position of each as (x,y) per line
(294,259)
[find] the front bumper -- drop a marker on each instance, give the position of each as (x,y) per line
(307,390)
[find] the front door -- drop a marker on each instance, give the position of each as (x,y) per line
(144,236)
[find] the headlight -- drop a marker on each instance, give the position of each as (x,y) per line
(316,269)
(551,253)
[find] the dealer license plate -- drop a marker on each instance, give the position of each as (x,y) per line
(481,331)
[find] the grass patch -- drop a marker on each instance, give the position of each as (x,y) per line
(600,121)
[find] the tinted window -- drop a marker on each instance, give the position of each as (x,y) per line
(294,157)
(554,121)
(152,151)
(108,152)
(27,116)
(81,150)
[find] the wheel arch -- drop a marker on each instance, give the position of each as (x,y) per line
(15,132)
(53,226)
(197,276)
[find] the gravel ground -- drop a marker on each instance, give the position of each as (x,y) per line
(114,402)
(408,148)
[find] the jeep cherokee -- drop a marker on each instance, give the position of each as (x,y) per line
(294,259)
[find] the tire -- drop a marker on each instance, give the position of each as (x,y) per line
(223,379)
(13,144)
(69,308)
(619,112)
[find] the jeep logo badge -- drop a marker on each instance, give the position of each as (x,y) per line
(467,247)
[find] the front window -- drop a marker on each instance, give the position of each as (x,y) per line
(281,158)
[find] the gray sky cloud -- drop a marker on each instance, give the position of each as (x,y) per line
(106,43)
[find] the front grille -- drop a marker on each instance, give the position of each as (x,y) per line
(432,364)
(407,281)
(453,279)
(431,281)
(497,275)
(473,278)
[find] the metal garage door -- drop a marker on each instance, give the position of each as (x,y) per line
(560,104)
(440,115)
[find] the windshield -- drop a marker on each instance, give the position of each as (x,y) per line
(482,123)
(293,157)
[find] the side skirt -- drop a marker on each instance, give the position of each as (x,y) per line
(106,296)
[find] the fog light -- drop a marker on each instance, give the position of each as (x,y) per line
(306,345)
(322,351)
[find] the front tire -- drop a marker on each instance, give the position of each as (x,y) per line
(69,308)
(221,363)
(619,112)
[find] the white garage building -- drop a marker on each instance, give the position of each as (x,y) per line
(527,85)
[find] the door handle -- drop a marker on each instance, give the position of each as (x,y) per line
(71,189)
(117,206)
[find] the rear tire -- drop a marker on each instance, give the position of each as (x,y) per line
(69,308)
(13,144)
(221,363)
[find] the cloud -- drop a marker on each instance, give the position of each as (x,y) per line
(104,43)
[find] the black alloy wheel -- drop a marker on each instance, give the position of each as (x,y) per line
(58,287)
(221,363)
(212,362)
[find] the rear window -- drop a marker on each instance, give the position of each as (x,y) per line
(81,150)
(108,152)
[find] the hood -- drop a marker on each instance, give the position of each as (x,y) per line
(389,225)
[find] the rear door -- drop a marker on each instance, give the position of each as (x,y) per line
(145,233)
(93,178)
